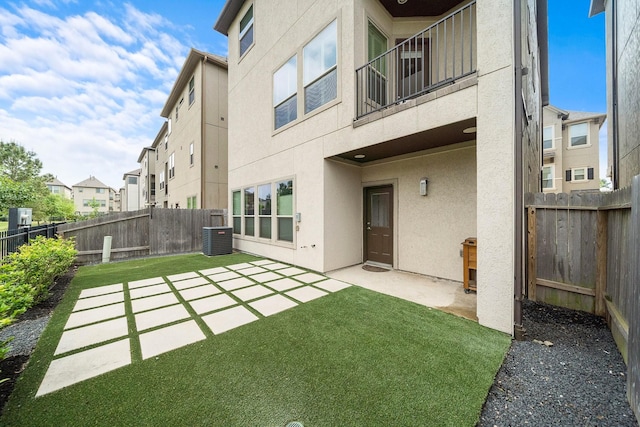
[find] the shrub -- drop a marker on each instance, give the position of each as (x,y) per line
(26,275)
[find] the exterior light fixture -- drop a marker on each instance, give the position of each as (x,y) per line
(472,129)
(359,156)
(424,183)
(402,1)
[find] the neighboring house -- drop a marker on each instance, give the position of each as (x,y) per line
(86,191)
(191,148)
(571,150)
(114,200)
(130,193)
(622,19)
(387,132)
(55,186)
(147,160)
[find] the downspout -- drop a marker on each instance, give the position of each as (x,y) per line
(615,173)
(518,329)
(203,139)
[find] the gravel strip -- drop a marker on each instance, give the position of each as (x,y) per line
(25,335)
(576,378)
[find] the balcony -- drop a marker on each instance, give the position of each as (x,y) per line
(436,57)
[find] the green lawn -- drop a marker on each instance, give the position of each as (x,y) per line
(352,358)
(4,225)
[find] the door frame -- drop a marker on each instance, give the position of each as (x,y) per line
(373,184)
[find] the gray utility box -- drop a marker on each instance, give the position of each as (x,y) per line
(217,240)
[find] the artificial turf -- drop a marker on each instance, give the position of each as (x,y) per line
(351,358)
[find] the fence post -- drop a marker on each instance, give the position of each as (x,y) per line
(601,263)
(531,249)
(633,347)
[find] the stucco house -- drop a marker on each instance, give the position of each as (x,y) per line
(570,150)
(147,161)
(86,191)
(191,146)
(55,186)
(387,132)
(130,192)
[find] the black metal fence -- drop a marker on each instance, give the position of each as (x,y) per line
(11,240)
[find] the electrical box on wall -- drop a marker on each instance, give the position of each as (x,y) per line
(298,217)
(424,182)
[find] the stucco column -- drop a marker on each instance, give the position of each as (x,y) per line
(495,165)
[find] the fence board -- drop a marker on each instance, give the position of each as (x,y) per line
(633,382)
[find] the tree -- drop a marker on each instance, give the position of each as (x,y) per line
(18,164)
(605,183)
(56,207)
(94,204)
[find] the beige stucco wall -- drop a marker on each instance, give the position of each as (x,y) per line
(581,157)
(550,118)
(495,179)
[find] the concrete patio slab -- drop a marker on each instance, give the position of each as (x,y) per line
(214,270)
(291,271)
(98,301)
(253,270)
(284,284)
(272,305)
(221,277)
(310,277)
(148,291)
(266,277)
(101,290)
(182,276)
(156,301)
(213,303)
(276,266)
(145,282)
(92,334)
(238,283)
(161,316)
(305,294)
(262,262)
(252,292)
(95,315)
(228,319)
(84,365)
(239,266)
(166,339)
(331,285)
(199,292)
(190,283)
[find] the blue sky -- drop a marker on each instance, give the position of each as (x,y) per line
(82,83)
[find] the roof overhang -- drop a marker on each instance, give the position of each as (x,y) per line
(596,7)
(543,45)
(227,15)
(144,151)
(160,136)
(195,56)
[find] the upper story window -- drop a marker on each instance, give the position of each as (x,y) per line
(578,135)
(172,164)
(285,103)
(166,142)
(177,112)
(320,76)
(376,46)
(191,154)
(132,180)
(246,31)
(547,177)
(100,190)
(192,90)
(547,137)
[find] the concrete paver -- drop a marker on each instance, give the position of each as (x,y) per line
(284,284)
(213,303)
(214,270)
(266,277)
(275,266)
(228,319)
(145,282)
(239,266)
(148,291)
(291,271)
(310,277)
(253,270)
(183,276)
(156,301)
(93,315)
(190,283)
(98,301)
(199,292)
(252,292)
(93,334)
(101,290)
(166,339)
(161,316)
(331,285)
(262,262)
(238,283)
(305,294)
(84,365)
(227,275)
(272,305)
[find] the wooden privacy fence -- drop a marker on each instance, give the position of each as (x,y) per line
(151,231)
(583,252)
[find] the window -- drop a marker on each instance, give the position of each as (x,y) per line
(285,210)
(80,190)
(578,135)
(547,177)
(264,210)
(284,93)
(237,212)
(547,138)
(166,143)
(192,202)
(377,77)
(132,180)
(161,180)
(246,31)
(320,76)
(192,90)
(172,164)
(100,190)
(249,211)
(177,112)
(169,127)
(579,174)
(191,154)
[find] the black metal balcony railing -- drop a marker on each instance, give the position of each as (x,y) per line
(437,56)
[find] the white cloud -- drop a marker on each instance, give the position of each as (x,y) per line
(84,91)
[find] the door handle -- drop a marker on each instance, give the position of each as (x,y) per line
(368,228)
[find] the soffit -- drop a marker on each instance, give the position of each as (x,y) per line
(418,7)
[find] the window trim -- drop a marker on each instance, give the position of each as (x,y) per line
(172,165)
(192,90)
(570,145)
(288,98)
(553,176)
(553,134)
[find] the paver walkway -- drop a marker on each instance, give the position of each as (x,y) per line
(166,313)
